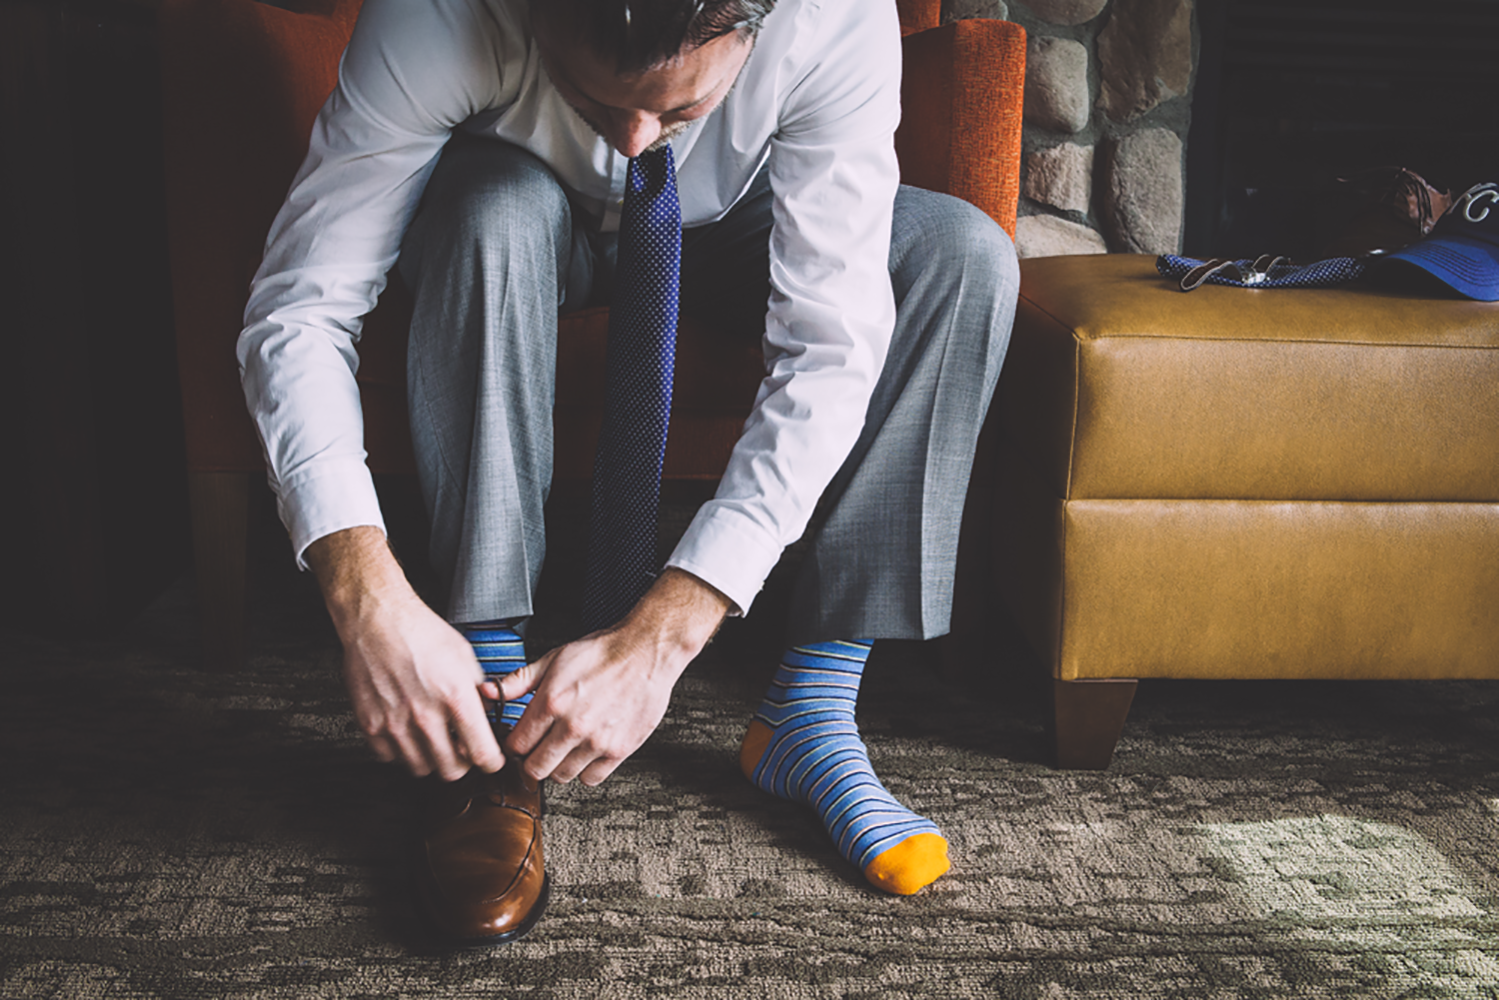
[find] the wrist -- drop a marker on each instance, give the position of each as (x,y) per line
(680,611)
(357,573)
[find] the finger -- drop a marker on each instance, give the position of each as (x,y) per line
(600,769)
(535,721)
(528,732)
(433,730)
(573,764)
(384,748)
(490,690)
(517,683)
(544,759)
(476,736)
(413,753)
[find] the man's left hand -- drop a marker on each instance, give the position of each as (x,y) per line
(597,699)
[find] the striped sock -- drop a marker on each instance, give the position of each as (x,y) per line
(500,652)
(803,745)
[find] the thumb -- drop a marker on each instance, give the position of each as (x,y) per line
(524,680)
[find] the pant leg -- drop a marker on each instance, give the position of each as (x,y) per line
(487,257)
(884,546)
(883,542)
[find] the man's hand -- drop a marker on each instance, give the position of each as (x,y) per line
(413,679)
(598,699)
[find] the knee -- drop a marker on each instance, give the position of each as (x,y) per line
(488,201)
(940,236)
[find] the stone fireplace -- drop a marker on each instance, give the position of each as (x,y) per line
(1107,110)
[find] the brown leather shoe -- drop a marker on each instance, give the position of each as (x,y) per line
(478,867)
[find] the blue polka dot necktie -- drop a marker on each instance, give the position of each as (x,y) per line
(637,401)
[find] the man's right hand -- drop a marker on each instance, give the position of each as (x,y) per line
(412,677)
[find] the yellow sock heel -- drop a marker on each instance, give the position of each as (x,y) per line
(756,739)
(912,864)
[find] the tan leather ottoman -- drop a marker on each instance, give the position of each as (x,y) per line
(1235,483)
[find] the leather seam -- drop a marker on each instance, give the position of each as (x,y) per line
(1060,626)
(1306,502)
(1077,355)
(1056,668)
(1077,402)
(1077,388)
(1277,340)
(520,872)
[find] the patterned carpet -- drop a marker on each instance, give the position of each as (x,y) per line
(171,833)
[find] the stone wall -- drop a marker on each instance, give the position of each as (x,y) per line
(1107,104)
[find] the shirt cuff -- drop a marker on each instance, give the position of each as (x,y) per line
(726,548)
(339,494)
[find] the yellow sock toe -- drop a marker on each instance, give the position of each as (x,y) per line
(756,739)
(913,863)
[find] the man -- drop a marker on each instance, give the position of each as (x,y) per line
(484,147)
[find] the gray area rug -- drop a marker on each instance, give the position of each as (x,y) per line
(166,832)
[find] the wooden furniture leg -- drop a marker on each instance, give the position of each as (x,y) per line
(220,513)
(1088,718)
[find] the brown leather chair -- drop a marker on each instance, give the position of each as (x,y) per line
(1242,484)
(242,83)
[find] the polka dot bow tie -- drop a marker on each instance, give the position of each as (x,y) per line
(1263,272)
(637,402)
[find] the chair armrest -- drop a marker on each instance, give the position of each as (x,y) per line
(962,101)
(918,15)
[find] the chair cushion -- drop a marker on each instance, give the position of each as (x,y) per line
(1121,386)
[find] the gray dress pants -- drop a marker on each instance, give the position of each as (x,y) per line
(496,250)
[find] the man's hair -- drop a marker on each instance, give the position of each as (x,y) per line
(642,34)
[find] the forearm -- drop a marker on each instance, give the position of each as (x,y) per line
(357,572)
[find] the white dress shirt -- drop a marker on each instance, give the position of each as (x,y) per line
(818,101)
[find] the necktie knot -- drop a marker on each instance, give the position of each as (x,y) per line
(651,172)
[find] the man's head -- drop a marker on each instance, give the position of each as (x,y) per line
(640,71)
(640,35)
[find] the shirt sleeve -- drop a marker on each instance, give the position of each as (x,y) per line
(413,70)
(833,176)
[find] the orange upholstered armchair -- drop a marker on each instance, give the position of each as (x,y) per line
(242,83)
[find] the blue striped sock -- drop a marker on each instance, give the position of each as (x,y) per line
(804,745)
(500,652)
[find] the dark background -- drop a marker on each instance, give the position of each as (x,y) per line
(93,506)
(1293,94)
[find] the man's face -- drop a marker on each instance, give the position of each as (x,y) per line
(639,111)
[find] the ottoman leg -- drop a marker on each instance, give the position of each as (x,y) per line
(1088,717)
